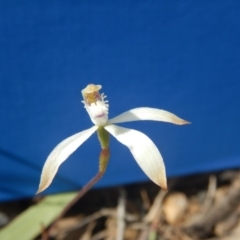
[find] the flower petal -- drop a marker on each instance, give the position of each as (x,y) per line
(145,113)
(144,151)
(60,153)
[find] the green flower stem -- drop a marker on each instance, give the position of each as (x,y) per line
(103,137)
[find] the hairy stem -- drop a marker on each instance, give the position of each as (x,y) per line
(103,162)
(103,137)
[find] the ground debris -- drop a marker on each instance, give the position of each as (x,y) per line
(200,207)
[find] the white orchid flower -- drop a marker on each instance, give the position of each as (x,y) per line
(141,146)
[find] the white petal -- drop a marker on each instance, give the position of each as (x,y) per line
(144,151)
(60,153)
(145,113)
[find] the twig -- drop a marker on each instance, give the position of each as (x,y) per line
(121,210)
(88,232)
(103,235)
(145,198)
(212,186)
(95,216)
(194,219)
(156,206)
(153,215)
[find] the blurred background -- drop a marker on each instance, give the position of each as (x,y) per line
(180,56)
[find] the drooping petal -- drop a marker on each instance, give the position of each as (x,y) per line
(60,153)
(145,113)
(144,152)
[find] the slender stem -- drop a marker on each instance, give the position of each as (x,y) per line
(81,193)
(103,136)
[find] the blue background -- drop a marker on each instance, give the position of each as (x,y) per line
(181,56)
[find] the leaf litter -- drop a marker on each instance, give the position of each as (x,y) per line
(198,207)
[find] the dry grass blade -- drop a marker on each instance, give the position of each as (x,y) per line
(212,186)
(121,210)
(88,233)
(155,208)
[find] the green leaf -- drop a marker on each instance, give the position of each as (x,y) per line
(27,225)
